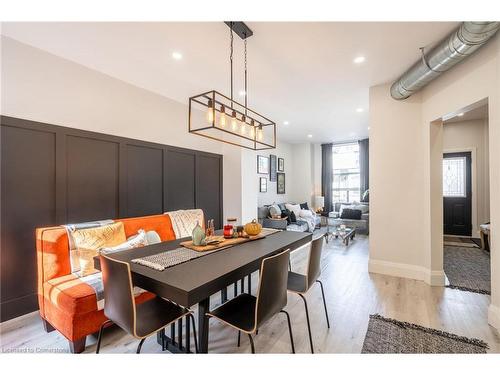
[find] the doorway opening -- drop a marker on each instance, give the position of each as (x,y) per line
(466,201)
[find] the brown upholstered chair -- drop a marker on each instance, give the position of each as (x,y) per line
(300,284)
(142,320)
(247,313)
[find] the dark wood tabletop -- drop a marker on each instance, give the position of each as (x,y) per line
(193,282)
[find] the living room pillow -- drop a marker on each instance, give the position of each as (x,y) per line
(89,241)
(274,210)
(293,218)
(152,237)
(286,214)
(295,208)
(349,213)
(306,213)
(304,206)
(137,240)
(364,208)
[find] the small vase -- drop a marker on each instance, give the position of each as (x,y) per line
(198,235)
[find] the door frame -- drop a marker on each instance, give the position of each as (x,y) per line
(473,153)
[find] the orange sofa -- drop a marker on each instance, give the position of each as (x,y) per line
(68,304)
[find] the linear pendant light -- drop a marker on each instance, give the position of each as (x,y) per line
(219,117)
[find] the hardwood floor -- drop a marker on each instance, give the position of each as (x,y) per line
(352,295)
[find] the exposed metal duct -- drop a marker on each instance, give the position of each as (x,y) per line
(455,47)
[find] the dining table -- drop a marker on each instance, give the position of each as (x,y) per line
(195,281)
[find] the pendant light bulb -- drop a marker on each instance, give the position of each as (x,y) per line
(234,121)
(222,116)
(210,112)
(243,124)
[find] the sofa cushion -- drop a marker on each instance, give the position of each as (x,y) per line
(71,295)
(304,206)
(364,208)
(161,224)
(348,213)
(293,218)
(89,241)
(138,240)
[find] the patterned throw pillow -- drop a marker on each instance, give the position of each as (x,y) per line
(89,241)
(274,210)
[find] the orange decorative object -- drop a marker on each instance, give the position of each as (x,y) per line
(253,228)
(67,303)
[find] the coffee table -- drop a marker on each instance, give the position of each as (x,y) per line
(346,234)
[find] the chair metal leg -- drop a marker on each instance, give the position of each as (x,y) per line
(239,338)
(324,303)
(194,333)
(99,338)
(140,346)
(289,329)
(251,343)
(308,323)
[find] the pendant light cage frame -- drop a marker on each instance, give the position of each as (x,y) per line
(247,129)
(221,118)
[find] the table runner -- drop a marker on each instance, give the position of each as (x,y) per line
(170,258)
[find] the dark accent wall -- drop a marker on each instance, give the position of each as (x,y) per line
(53,175)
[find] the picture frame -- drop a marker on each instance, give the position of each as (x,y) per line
(272,168)
(263,184)
(262,164)
(281,165)
(280,186)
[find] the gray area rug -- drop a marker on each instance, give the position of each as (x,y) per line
(468,269)
(386,335)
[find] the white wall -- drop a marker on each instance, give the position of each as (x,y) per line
(473,136)
(283,150)
(405,165)
(42,87)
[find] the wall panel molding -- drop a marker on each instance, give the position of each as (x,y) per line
(53,174)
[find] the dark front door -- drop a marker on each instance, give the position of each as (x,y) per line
(457,193)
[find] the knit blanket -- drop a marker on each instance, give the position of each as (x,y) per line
(184,221)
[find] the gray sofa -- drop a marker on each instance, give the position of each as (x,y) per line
(267,222)
(362,226)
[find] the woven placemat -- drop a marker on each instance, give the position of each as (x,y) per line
(170,258)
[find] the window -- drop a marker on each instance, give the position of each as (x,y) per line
(454,177)
(346,179)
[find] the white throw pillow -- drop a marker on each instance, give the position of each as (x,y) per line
(294,207)
(132,242)
(152,237)
(306,214)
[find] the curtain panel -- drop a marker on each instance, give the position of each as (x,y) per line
(327,175)
(364,165)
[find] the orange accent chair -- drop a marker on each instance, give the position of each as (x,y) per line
(67,303)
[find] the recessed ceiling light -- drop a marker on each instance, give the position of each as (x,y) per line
(309,136)
(359,110)
(176,55)
(286,123)
(359,60)
(460,114)
(242,93)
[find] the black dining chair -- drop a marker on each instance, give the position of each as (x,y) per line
(247,313)
(139,320)
(300,284)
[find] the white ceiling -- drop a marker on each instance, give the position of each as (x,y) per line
(479,113)
(298,72)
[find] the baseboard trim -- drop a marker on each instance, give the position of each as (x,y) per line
(494,316)
(407,271)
